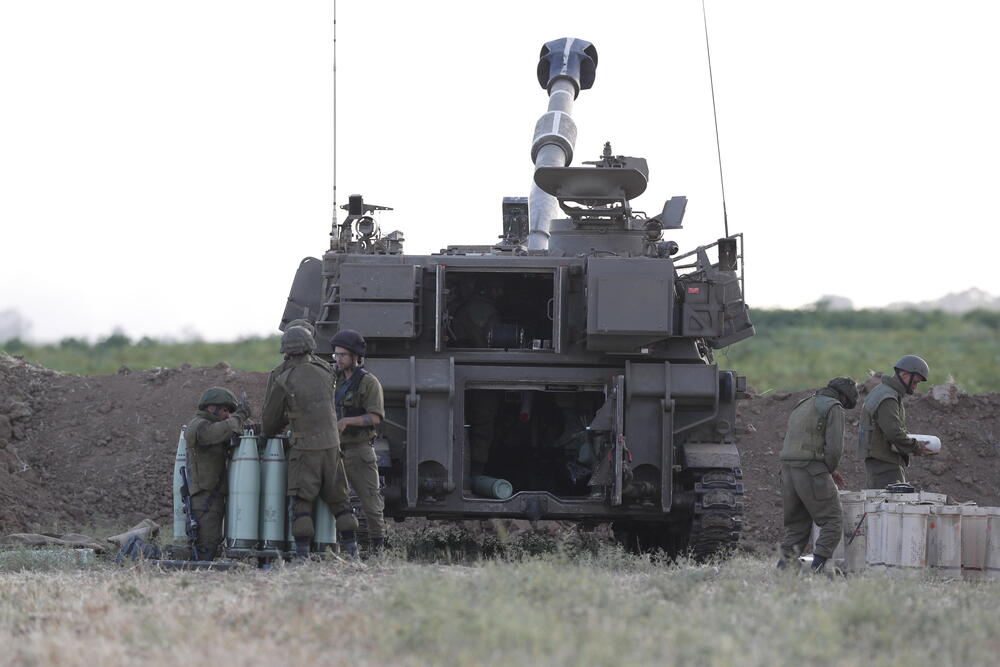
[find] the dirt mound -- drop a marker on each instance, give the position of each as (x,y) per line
(97,450)
(81,451)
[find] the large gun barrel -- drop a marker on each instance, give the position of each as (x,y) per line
(565,67)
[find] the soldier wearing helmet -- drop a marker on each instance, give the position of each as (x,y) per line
(810,454)
(882,437)
(300,397)
(303,324)
(360,408)
(208,436)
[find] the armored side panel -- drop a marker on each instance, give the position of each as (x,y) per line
(304,297)
(629,303)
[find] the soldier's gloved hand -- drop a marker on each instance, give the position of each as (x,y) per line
(916,448)
(838,479)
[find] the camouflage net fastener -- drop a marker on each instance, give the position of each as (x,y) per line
(718,511)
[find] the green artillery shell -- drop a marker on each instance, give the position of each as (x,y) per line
(491,487)
(326,526)
(180,518)
(244,494)
(273,503)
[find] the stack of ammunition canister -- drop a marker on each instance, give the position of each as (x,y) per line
(257,508)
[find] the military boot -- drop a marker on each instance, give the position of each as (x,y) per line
(378,545)
(349,544)
(302,548)
(818,565)
(787,560)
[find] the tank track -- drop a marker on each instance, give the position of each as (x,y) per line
(718,511)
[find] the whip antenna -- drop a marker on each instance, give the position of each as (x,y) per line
(334,116)
(715,117)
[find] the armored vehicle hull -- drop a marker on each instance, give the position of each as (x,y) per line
(573,381)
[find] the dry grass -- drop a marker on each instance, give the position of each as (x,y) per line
(603,608)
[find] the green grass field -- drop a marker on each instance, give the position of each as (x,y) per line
(600,609)
(792,350)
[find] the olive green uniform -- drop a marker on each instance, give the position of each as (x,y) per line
(360,464)
(300,396)
(472,325)
(813,446)
(208,438)
(882,436)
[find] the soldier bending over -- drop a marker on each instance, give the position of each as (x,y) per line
(208,436)
(814,443)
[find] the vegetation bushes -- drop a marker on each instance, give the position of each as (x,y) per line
(793,349)
(796,350)
(604,608)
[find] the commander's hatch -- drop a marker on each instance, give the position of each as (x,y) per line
(598,194)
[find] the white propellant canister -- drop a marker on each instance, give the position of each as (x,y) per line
(874,555)
(892,534)
(975,522)
(852,504)
(930,498)
(992,564)
(944,541)
(931,442)
(913,545)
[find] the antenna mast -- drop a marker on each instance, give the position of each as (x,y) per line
(334,116)
(715,117)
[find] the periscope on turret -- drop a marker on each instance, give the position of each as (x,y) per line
(571,361)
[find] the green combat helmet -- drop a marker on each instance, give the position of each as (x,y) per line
(305,324)
(911,363)
(218,396)
(847,388)
(297,340)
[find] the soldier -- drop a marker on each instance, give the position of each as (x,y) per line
(360,408)
(814,443)
(882,436)
(208,435)
(300,395)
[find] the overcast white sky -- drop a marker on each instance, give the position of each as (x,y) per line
(164,166)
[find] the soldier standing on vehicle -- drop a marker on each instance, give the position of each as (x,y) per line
(882,436)
(814,443)
(220,416)
(300,396)
(360,408)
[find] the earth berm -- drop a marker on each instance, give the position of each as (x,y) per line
(84,451)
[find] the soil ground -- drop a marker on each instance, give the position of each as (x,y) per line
(85,451)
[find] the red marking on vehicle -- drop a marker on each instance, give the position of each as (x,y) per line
(694,290)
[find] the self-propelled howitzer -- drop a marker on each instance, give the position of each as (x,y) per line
(572,360)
